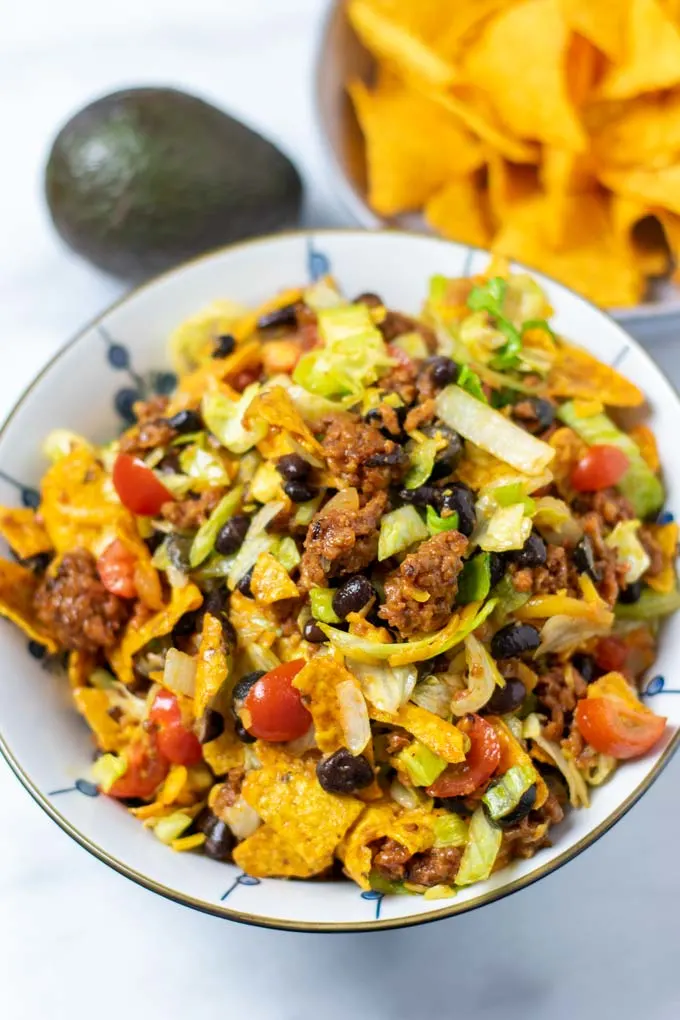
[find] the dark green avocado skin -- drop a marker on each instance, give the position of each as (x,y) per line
(146,178)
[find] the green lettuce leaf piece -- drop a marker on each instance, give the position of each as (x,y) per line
(651,605)
(400,529)
(479,856)
(224,418)
(450,830)
(437,524)
(321,602)
(422,764)
(474,581)
(505,793)
(204,540)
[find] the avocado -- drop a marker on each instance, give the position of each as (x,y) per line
(145,178)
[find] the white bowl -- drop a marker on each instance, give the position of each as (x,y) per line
(99,373)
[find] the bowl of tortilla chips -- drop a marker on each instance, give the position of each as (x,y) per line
(89,390)
(544,131)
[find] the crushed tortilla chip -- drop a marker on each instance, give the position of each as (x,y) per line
(440,736)
(652,57)
(184,843)
(603,22)
(412,829)
(23,532)
(404,168)
(268,854)
(577,373)
(271,582)
(667,537)
(643,233)
(275,406)
(146,577)
(75,507)
(569,449)
(645,440)
(80,666)
(254,624)
(173,785)
(318,682)
(648,185)
(512,753)
(18,586)
(458,211)
(287,796)
(182,600)
(194,339)
(94,705)
(212,689)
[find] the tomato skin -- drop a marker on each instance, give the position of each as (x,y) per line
(601,467)
(480,763)
(146,770)
(401,357)
(613,727)
(275,707)
(178,744)
(116,568)
(137,486)
(611,654)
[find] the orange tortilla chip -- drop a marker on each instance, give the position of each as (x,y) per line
(404,167)
(75,508)
(576,373)
(414,830)
(440,736)
(667,537)
(23,532)
(80,666)
(287,796)
(603,22)
(254,624)
(212,689)
(651,187)
(278,410)
(267,854)
(182,600)
(642,132)
(193,341)
(652,59)
(473,108)
(147,580)
(642,232)
(271,582)
(645,440)
(458,211)
(17,590)
(508,184)
(534,104)
(94,705)
(318,682)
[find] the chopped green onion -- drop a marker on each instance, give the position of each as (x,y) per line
(437,524)
(471,383)
(474,581)
(514,492)
(488,297)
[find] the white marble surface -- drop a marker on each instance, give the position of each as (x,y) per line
(597,940)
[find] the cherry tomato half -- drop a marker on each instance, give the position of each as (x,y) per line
(137,486)
(275,707)
(146,770)
(178,744)
(480,763)
(601,467)
(611,654)
(116,568)
(613,727)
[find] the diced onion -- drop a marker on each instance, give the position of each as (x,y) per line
(354,716)
(179,673)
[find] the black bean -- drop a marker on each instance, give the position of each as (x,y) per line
(244,584)
(368,298)
(187,624)
(507,699)
(242,733)
(285,316)
(312,632)
(230,536)
(215,601)
(343,772)
(631,593)
(205,821)
(186,421)
(38,563)
(242,687)
(37,650)
(443,370)
(299,492)
(584,559)
(154,540)
(496,568)
(540,416)
(219,842)
(390,459)
(461,499)
(293,467)
(224,346)
(211,726)
(514,639)
(446,459)
(424,495)
(352,595)
(585,665)
(456,805)
(532,554)
(526,803)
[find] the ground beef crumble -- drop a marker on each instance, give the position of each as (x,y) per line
(558,690)
(229,791)
(190,513)
(77,609)
(341,542)
(360,456)
(148,435)
(433,568)
(394,863)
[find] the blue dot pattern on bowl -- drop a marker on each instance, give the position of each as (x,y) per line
(657,685)
(240,880)
(155,383)
(377,898)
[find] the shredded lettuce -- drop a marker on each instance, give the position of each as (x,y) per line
(386,687)
(505,793)
(482,679)
(287,553)
(507,528)
(639,484)
(305,512)
(422,764)
(555,521)
(198,462)
(204,540)
(265,484)
(450,830)
(650,605)
(508,598)
(512,493)
(493,433)
(421,457)
(352,357)
(172,826)
(409,797)
(224,418)
(434,693)
(400,529)
(630,552)
(437,524)
(321,602)
(578,791)
(412,344)
(479,856)
(322,294)
(256,541)
(474,581)
(107,769)
(471,383)
(406,652)
(60,442)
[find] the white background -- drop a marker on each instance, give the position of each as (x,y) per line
(597,940)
